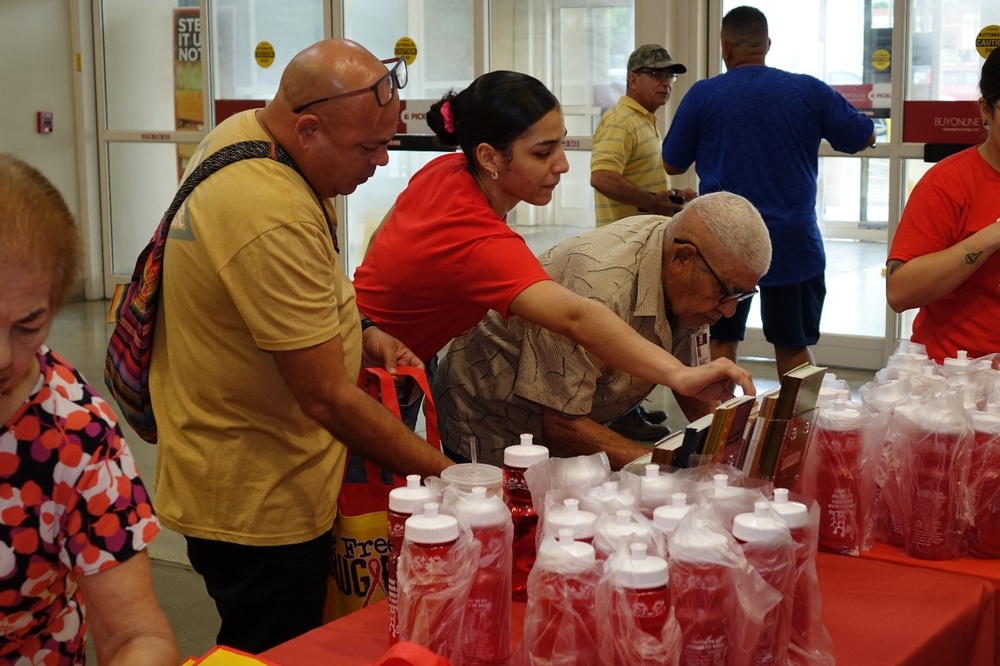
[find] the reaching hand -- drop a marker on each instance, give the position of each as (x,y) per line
(380,348)
(714,381)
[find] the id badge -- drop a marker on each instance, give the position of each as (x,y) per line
(700,350)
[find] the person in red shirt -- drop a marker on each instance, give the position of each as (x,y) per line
(444,255)
(942,258)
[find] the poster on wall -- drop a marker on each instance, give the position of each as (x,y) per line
(188,107)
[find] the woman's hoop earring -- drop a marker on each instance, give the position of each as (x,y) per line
(495,175)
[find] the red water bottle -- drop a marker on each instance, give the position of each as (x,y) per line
(702,586)
(809,637)
(559,622)
(983,537)
(429,613)
(486,628)
(644,579)
(767,544)
(933,443)
(838,479)
(403,502)
(516,495)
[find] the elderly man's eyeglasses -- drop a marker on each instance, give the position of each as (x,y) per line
(729,294)
(383,89)
(659,75)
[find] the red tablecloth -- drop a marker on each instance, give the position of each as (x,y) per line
(878,613)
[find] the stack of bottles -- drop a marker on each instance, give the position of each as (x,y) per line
(915,463)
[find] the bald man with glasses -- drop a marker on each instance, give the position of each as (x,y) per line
(669,278)
(259,344)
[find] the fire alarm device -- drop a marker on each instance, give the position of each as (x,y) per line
(44,122)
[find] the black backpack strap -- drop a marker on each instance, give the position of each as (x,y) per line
(234,153)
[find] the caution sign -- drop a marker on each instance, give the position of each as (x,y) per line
(881,60)
(263,53)
(406,49)
(988,39)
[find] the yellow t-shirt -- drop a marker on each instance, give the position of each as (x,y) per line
(627,142)
(249,269)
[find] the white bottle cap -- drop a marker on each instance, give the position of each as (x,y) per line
(569,515)
(796,514)
(525,454)
(430,526)
(640,571)
(722,489)
(408,498)
(668,516)
(577,554)
(759,525)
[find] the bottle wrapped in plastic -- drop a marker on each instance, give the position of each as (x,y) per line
(486,627)
(841,470)
(437,567)
(568,514)
(768,547)
(403,501)
(559,624)
(983,537)
(811,644)
(669,516)
(930,450)
(656,488)
(516,494)
(635,624)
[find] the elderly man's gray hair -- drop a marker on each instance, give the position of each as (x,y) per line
(738,226)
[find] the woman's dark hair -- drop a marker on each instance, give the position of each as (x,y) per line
(496,108)
(989,81)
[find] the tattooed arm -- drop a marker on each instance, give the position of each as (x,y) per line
(925,279)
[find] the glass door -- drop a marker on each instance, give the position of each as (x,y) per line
(152,70)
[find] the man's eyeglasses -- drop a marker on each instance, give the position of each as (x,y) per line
(729,294)
(383,89)
(658,74)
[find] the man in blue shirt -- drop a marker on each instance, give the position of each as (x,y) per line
(755,131)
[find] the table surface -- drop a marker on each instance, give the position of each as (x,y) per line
(879,613)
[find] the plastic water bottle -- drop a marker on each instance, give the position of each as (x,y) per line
(645,579)
(767,544)
(429,612)
(702,586)
(838,479)
(983,537)
(655,489)
(668,516)
(571,516)
(807,629)
(486,630)
(516,495)
(932,443)
(559,621)
(403,502)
